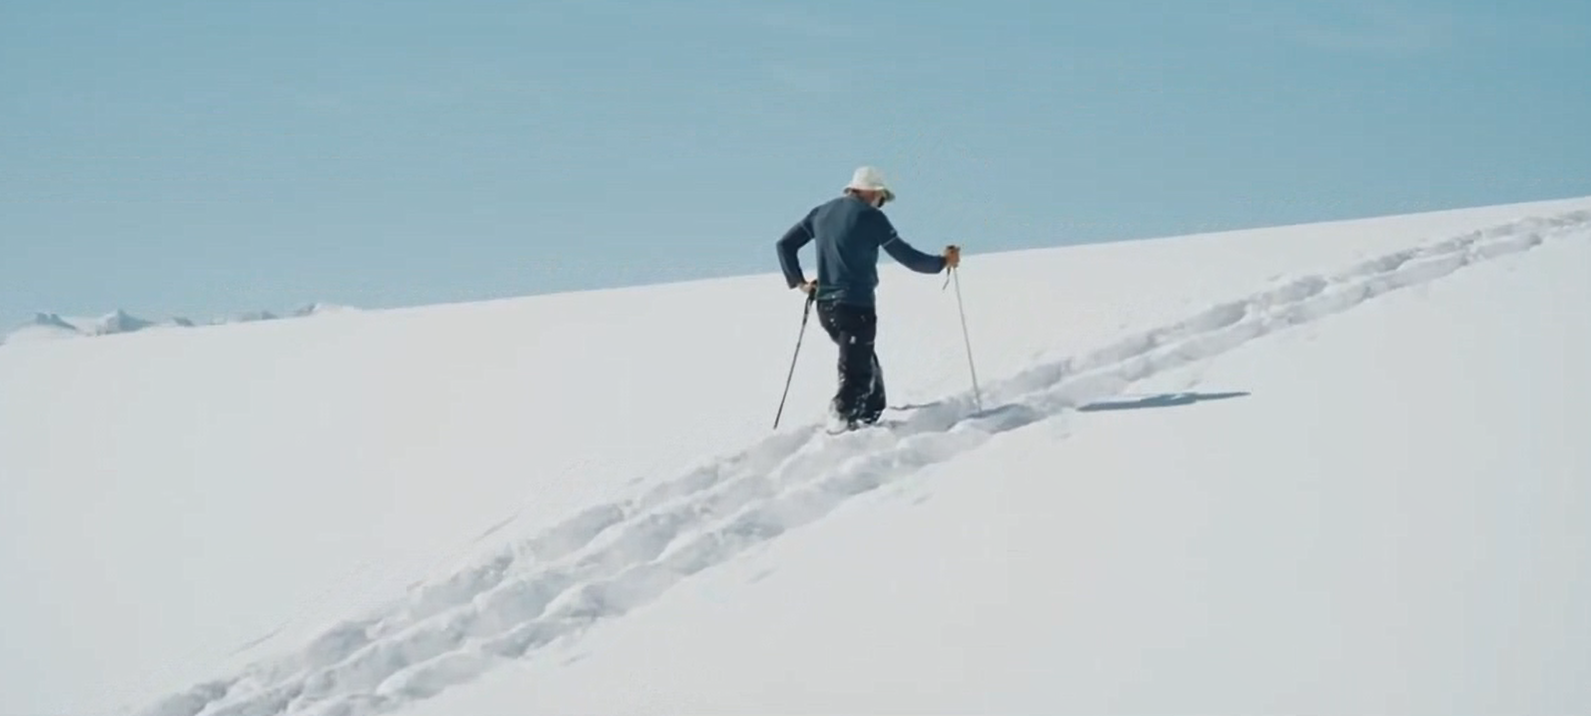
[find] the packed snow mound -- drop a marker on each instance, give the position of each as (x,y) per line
(52,326)
(1287,469)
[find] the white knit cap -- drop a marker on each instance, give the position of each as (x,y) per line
(870,179)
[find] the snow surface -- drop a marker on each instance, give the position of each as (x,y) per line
(1326,467)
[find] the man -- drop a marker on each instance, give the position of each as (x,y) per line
(849,230)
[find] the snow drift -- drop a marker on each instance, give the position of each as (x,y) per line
(1325,466)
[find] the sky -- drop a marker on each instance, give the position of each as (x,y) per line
(203,158)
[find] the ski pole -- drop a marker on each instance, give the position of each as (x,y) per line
(976,393)
(805,312)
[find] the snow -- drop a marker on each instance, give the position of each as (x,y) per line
(1192,559)
(1323,467)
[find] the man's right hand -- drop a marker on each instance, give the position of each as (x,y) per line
(808,287)
(952,256)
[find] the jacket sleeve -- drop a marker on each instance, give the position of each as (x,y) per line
(903,252)
(788,245)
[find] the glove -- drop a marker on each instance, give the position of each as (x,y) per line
(952,256)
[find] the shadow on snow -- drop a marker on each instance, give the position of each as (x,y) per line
(1164,400)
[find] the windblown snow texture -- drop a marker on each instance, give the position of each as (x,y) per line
(613,557)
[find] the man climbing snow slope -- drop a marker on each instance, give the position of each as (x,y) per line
(848,231)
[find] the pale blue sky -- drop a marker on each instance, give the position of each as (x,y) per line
(200,158)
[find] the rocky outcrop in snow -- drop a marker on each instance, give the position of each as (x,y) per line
(118,322)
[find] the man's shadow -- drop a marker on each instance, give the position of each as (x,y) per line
(1163,400)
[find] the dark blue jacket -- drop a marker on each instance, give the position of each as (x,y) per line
(848,232)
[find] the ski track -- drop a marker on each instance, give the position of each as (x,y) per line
(614,557)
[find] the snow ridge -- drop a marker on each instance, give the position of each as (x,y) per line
(52,325)
(614,557)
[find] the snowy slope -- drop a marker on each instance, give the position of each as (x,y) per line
(1383,511)
(226,521)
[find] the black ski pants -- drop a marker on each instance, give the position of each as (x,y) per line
(853,328)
